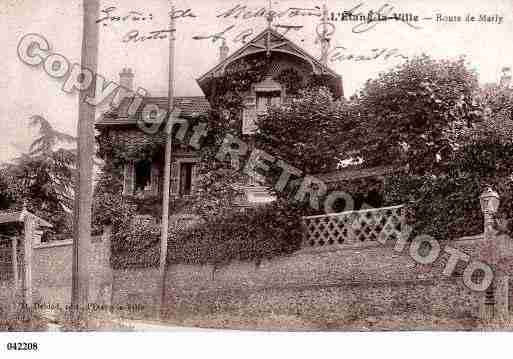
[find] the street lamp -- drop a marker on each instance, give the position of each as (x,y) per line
(489,201)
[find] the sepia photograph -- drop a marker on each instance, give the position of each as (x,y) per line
(255,166)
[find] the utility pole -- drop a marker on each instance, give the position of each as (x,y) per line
(85,153)
(324,38)
(167,165)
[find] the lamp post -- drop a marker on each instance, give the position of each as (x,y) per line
(489,201)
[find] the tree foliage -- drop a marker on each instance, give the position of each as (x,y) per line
(428,115)
(403,114)
(309,132)
(446,204)
(49,138)
(258,233)
(43,178)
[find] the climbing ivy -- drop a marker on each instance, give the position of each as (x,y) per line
(258,233)
(224,233)
(291,79)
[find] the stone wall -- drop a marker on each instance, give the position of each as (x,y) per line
(355,280)
(7,298)
(372,279)
(136,288)
(51,272)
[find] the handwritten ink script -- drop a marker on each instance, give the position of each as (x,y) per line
(135,36)
(243,12)
(365,18)
(182,14)
(340,53)
(244,35)
(109,16)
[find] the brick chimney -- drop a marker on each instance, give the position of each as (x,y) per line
(223,51)
(126,80)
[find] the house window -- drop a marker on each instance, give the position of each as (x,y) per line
(264,95)
(183,177)
(186,177)
(140,176)
(267,99)
(143,175)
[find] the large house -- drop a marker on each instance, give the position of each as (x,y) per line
(145,176)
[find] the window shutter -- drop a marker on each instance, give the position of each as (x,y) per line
(249,116)
(174,185)
(155,175)
(128,178)
(262,104)
(194,178)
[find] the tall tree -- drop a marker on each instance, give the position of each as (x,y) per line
(7,199)
(446,204)
(42,179)
(48,136)
(403,114)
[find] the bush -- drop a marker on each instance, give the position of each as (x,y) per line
(446,204)
(444,207)
(134,245)
(262,232)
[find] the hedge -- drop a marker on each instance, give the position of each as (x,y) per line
(262,232)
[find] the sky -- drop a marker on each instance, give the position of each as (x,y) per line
(27,90)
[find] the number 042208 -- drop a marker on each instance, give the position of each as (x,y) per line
(22,346)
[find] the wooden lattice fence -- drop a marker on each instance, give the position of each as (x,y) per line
(352,227)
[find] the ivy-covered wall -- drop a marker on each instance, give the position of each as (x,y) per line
(260,234)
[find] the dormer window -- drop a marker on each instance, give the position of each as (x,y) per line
(264,95)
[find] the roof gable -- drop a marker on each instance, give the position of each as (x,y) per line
(268,40)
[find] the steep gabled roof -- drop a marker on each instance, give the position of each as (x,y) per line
(190,106)
(269,40)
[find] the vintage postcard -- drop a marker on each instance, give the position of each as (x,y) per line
(269,165)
